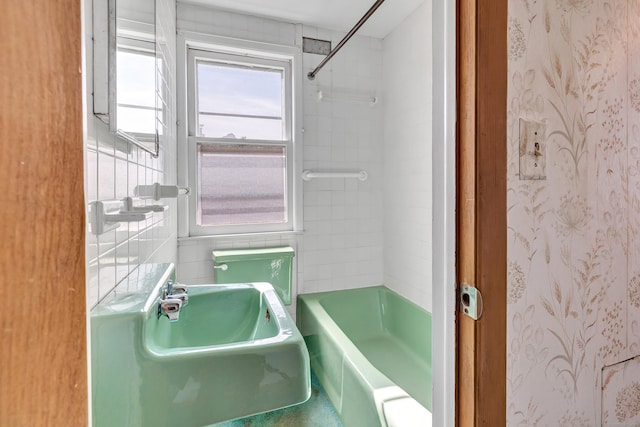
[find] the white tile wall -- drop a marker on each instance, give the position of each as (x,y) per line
(217,22)
(113,173)
(342,246)
(407,157)
(343,238)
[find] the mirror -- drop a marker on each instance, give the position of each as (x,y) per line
(126,83)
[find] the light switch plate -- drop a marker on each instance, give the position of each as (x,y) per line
(533,153)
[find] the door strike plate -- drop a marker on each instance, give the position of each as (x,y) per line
(470,301)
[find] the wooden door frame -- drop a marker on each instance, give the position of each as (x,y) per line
(43,360)
(482,209)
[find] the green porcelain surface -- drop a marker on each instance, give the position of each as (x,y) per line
(272,265)
(315,412)
(215,316)
(223,359)
(368,346)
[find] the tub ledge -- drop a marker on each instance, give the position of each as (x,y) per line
(397,409)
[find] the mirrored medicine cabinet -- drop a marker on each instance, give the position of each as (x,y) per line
(127,74)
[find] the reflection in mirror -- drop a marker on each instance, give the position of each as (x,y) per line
(136,88)
(132,72)
(165,59)
(135,50)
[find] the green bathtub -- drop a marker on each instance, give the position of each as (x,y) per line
(371,350)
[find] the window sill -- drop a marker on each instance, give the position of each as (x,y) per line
(242,236)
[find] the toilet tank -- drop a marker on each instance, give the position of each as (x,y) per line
(271,265)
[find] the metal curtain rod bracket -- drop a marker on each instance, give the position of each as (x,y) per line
(376,5)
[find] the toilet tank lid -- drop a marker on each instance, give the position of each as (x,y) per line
(229,255)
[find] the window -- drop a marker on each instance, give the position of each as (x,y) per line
(239,102)
(240,142)
(242,184)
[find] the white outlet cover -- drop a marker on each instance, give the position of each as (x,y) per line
(533,153)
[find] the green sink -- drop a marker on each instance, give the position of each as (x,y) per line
(234,352)
(221,315)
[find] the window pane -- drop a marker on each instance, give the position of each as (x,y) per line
(241,184)
(137,120)
(230,90)
(240,128)
(136,78)
(136,92)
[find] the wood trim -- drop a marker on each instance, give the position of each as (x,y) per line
(482,223)
(466,373)
(491,211)
(42,321)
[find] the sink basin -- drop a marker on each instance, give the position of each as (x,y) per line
(224,315)
(234,352)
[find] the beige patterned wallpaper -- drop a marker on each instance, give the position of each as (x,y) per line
(621,393)
(573,242)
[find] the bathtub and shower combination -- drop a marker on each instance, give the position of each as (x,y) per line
(371,351)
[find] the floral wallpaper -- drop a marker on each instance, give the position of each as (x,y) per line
(621,393)
(573,239)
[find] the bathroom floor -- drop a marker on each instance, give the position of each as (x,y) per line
(315,412)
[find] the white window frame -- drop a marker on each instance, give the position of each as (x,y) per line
(196,45)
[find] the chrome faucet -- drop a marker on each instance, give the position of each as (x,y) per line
(174,297)
(168,290)
(169,307)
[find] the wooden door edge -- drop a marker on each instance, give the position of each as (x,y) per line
(481,197)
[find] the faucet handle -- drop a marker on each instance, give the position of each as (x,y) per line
(180,292)
(170,307)
(179,289)
(182,296)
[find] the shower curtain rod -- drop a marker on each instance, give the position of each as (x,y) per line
(376,5)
